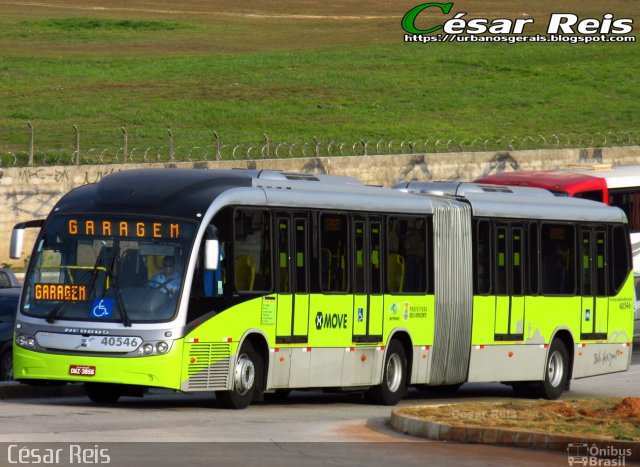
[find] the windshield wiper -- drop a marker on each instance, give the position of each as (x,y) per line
(59,309)
(116,291)
(94,273)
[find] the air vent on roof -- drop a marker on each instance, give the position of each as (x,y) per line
(301,176)
(496,189)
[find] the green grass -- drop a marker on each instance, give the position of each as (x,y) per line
(74,25)
(104,73)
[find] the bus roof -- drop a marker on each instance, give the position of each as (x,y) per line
(518,202)
(189,194)
(565,181)
(619,176)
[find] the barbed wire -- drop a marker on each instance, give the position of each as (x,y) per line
(316,148)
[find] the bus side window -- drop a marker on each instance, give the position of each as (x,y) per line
(533,260)
(501,261)
(558,259)
(300,244)
(482,263)
(629,202)
(283,254)
(593,195)
(252,251)
(406,255)
(333,252)
(517,255)
(214,281)
(620,259)
(376,256)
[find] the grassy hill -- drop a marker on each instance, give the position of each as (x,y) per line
(336,70)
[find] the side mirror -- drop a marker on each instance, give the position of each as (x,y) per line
(211,249)
(17,236)
(17,242)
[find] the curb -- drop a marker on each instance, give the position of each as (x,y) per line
(16,390)
(506,437)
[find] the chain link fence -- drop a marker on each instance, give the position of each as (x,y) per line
(218,150)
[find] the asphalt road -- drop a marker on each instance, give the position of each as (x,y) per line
(309,428)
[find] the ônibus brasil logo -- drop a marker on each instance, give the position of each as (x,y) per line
(560,27)
(331,320)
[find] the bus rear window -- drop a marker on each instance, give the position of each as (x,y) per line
(595,195)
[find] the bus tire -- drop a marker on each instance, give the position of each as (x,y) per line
(6,366)
(556,372)
(247,380)
(103,393)
(394,377)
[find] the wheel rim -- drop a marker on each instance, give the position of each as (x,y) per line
(245,374)
(394,372)
(555,369)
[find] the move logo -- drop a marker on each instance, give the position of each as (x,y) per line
(331,321)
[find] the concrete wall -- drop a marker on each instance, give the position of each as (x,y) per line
(30,192)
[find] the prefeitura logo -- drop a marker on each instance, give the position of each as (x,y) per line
(560,27)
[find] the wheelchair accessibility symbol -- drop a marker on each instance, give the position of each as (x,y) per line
(102,308)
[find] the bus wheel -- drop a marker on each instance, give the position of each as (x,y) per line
(394,377)
(6,366)
(103,393)
(247,380)
(556,371)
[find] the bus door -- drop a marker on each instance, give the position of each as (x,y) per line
(367,283)
(593,284)
(292,323)
(509,279)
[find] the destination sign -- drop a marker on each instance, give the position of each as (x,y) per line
(123,228)
(60,292)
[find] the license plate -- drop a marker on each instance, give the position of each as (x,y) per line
(81,370)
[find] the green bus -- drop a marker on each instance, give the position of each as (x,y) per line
(248,282)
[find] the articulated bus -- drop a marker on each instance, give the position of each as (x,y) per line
(617,186)
(248,283)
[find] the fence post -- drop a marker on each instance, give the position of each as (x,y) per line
(266,146)
(317,144)
(125,144)
(172,148)
(30,144)
(77,152)
(217,138)
(364,147)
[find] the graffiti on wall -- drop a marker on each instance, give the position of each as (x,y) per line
(415,169)
(501,162)
(31,204)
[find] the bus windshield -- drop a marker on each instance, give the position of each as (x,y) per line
(113,269)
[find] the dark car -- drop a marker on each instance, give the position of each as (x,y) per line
(8,307)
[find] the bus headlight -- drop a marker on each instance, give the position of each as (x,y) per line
(27,342)
(162,347)
(154,348)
